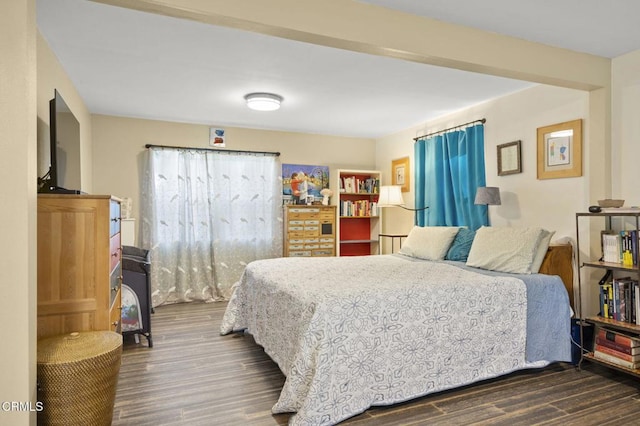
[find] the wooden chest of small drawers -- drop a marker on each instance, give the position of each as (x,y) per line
(309,231)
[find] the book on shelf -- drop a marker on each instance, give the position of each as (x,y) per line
(615,360)
(620,337)
(618,354)
(606,297)
(620,247)
(619,300)
(358,208)
(626,294)
(617,346)
(636,302)
(371,186)
(628,249)
(633,245)
(611,247)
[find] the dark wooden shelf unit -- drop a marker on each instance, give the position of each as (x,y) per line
(596,321)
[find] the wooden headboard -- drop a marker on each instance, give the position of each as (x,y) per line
(559,261)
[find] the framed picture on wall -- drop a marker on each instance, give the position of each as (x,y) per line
(400,173)
(560,150)
(216,137)
(302,183)
(509,161)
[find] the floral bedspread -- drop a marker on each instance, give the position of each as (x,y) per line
(353,332)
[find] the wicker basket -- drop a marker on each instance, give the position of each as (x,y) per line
(77,378)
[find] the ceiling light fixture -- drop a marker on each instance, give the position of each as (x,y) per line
(263,101)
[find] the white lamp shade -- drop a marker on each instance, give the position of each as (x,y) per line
(263,101)
(390,196)
(489,195)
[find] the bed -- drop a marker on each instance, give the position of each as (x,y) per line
(354,332)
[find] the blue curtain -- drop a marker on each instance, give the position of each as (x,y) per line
(449,169)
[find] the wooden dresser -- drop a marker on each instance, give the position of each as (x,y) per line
(309,231)
(79,263)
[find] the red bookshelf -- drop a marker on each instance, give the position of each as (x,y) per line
(359,219)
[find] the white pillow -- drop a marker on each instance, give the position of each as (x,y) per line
(505,249)
(541,252)
(429,242)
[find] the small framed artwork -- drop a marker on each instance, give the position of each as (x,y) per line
(560,150)
(509,161)
(400,174)
(216,137)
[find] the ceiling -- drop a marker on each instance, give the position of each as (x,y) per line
(134,64)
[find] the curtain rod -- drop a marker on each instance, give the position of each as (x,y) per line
(481,120)
(277,154)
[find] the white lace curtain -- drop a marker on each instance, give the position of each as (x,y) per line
(205,215)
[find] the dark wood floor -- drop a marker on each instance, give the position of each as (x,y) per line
(193,376)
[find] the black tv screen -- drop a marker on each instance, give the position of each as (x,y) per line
(64,149)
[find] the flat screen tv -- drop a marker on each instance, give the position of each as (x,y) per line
(64,150)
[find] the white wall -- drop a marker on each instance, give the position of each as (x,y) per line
(625,123)
(118,148)
(52,76)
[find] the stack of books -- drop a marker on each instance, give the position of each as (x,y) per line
(360,208)
(359,185)
(620,247)
(620,300)
(617,347)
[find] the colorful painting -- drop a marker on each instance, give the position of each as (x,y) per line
(301,184)
(558,150)
(216,137)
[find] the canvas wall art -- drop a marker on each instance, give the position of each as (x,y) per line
(302,183)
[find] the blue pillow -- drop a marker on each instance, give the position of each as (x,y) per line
(461,245)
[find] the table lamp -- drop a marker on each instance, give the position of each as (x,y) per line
(391,196)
